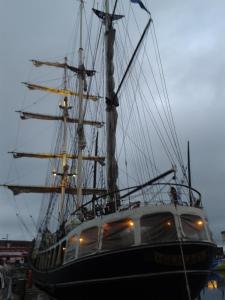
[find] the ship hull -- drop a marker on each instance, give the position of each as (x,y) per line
(157,270)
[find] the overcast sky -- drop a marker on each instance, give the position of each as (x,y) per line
(191,36)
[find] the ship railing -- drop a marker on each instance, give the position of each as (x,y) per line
(154,194)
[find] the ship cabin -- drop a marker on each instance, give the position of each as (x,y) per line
(138,225)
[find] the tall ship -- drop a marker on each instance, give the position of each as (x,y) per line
(119,214)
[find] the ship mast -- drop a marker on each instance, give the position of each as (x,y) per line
(111,112)
(80,129)
(65,166)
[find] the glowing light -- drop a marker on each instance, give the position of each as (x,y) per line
(168,223)
(81,240)
(131,223)
(200,223)
(212,284)
(64,248)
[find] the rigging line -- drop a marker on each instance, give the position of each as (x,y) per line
(135,89)
(29,213)
(49,80)
(88,42)
(36,101)
(154,164)
(18,128)
(161,100)
(133,56)
(156,127)
(139,124)
(136,145)
(157,110)
(34,223)
(114,9)
(167,95)
(54,148)
(127,36)
(185,271)
(23,223)
(162,84)
(15,207)
(127,96)
(159,114)
(147,56)
(75,41)
(125,151)
(94,58)
(134,179)
(125,23)
(160,135)
(93,62)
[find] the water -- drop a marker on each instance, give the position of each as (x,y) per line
(216,294)
(215,287)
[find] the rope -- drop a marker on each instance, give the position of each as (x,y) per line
(185,272)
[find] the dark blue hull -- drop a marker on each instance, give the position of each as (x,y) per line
(157,270)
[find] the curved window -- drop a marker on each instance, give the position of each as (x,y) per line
(70,250)
(88,241)
(118,234)
(194,227)
(158,228)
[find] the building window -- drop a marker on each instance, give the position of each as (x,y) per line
(118,234)
(88,241)
(158,228)
(194,227)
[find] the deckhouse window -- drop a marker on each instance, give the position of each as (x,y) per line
(70,250)
(61,253)
(194,227)
(118,234)
(158,228)
(88,242)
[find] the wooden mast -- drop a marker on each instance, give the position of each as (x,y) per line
(65,166)
(80,129)
(111,111)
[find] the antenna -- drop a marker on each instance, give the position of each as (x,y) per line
(189,174)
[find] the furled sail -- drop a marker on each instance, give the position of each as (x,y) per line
(64,92)
(39,63)
(99,159)
(30,115)
(18,189)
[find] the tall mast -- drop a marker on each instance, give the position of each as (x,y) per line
(64,148)
(111,103)
(80,129)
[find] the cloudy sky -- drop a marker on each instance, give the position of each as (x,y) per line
(191,36)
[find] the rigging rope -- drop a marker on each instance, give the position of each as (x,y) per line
(185,271)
